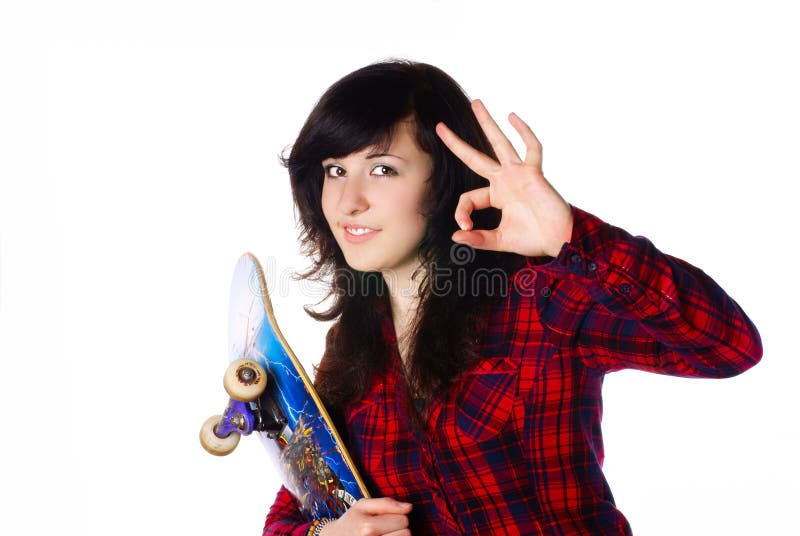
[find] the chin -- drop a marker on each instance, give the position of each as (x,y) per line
(360,264)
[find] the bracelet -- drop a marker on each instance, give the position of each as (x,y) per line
(316,526)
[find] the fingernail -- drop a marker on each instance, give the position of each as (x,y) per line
(463,225)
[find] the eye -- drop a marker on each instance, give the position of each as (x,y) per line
(387,170)
(329,172)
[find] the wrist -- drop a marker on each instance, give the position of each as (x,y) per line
(317,527)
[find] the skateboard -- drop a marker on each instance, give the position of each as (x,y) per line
(271,395)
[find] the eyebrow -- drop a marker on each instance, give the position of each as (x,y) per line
(376,155)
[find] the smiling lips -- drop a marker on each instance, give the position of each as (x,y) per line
(357,233)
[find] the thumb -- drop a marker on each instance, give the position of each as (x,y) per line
(478,239)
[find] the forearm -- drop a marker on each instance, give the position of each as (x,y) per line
(635,306)
(284,518)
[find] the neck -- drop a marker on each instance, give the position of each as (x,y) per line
(403,297)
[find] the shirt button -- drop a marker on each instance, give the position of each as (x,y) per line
(591,267)
(624,288)
(576,259)
(546,291)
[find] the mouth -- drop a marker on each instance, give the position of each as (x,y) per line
(356,234)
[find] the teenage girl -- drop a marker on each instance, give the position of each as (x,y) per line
(476,314)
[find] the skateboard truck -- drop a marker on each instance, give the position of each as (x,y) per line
(240,417)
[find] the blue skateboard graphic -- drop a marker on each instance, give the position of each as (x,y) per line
(272,396)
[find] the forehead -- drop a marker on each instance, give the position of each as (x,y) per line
(403,144)
(403,138)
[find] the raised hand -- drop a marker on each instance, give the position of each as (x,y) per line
(535,219)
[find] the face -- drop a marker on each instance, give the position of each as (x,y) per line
(372,203)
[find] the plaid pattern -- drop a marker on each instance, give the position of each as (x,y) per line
(515,447)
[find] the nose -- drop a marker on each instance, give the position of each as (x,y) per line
(353,199)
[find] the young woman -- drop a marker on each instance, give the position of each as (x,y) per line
(476,315)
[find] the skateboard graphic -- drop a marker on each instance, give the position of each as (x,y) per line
(271,395)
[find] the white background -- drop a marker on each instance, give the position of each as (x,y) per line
(139,143)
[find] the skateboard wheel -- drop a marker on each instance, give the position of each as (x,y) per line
(218,446)
(245,380)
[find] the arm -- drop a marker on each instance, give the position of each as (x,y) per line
(631,306)
(284,517)
(366,516)
(628,304)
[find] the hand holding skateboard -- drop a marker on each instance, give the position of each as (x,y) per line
(374,517)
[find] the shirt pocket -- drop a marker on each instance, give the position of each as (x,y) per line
(485,401)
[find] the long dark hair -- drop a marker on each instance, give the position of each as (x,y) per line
(362,110)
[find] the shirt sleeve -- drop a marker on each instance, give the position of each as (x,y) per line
(622,303)
(284,517)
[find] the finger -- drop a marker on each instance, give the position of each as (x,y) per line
(473,158)
(383,505)
(404,532)
(533,153)
(387,523)
(468,201)
(502,147)
(479,239)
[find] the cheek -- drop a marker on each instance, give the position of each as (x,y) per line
(408,211)
(326,202)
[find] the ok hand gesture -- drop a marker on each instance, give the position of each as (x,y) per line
(535,219)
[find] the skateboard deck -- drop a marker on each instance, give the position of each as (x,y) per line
(288,416)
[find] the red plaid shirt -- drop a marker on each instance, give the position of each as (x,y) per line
(515,447)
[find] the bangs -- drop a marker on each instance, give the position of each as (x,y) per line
(338,134)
